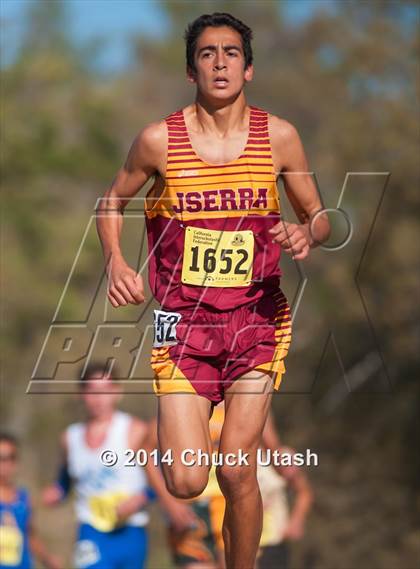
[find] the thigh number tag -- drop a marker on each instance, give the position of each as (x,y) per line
(165,328)
(217,258)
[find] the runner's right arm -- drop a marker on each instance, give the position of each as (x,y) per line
(146,159)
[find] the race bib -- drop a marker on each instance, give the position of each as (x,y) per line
(11,545)
(165,328)
(103,509)
(217,258)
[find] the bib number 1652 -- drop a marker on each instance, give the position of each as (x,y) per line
(210,261)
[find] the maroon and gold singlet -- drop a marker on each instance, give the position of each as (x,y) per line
(240,196)
(213,265)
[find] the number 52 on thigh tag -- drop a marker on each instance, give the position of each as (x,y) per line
(165,328)
(217,258)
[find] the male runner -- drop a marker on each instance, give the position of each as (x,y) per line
(110,500)
(19,541)
(215,237)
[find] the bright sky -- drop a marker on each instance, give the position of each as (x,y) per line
(117,20)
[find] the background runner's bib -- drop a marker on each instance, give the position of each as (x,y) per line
(14,531)
(103,509)
(217,258)
(11,545)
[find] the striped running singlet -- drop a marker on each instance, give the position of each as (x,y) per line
(237,199)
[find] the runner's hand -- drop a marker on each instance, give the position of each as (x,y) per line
(53,562)
(130,506)
(125,286)
(181,517)
(295,239)
(294,529)
(52,495)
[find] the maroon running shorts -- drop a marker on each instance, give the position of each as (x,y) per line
(202,351)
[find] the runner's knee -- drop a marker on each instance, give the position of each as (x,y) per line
(236,479)
(186,483)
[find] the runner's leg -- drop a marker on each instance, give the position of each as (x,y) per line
(247,404)
(183,423)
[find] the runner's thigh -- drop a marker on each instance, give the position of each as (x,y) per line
(183,423)
(247,404)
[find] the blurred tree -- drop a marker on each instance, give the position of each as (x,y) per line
(46,28)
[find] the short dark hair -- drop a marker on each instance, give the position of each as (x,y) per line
(216,20)
(9,438)
(97,368)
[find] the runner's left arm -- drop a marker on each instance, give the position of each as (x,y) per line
(291,164)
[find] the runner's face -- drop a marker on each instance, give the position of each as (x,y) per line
(100,396)
(8,462)
(219,60)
